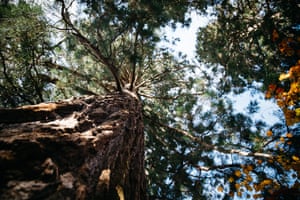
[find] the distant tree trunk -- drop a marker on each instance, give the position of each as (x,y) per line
(84,148)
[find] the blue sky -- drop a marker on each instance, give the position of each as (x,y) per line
(187,35)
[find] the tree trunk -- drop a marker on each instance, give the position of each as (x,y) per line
(83,148)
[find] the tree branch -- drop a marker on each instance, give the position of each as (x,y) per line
(212,147)
(10,81)
(56,66)
(90,47)
(216,167)
(134,59)
(169,97)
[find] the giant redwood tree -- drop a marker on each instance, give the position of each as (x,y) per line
(83,148)
(139,122)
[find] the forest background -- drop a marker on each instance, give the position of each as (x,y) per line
(197,145)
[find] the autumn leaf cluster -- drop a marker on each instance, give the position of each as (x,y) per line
(287,91)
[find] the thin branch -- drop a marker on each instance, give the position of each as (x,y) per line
(216,167)
(84,91)
(159,76)
(56,66)
(270,141)
(212,147)
(134,58)
(169,97)
(243,153)
(10,81)
(190,136)
(34,79)
(87,43)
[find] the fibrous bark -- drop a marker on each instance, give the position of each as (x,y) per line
(84,148)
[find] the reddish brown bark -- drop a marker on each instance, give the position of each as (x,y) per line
(84,148)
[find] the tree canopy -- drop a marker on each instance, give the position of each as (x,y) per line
(197,145)
(25,43)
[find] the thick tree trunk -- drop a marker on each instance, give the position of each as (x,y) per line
(82,148)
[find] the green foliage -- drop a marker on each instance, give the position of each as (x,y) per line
(239,41)
(121,50)
(239,45)
(23,45)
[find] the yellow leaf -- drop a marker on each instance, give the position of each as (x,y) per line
(259,162)
(220,188)
(249,178)
(269,133)
(244,182)
(239,193)
(231,179)
(268,95)
(289,135)
(266,182)
(256,196)
(238,173)
(250,167)
(249,188)
(283,76)
(281,139)
(297,110)
(245,170)
(295,158)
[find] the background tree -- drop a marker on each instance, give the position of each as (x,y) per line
(24,45)
(240,45)
(239,41)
